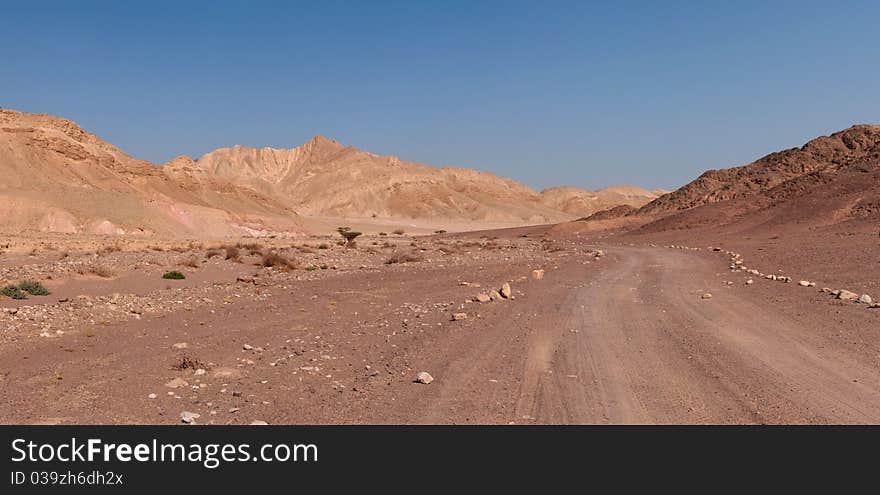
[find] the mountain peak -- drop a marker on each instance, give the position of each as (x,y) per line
(323,142)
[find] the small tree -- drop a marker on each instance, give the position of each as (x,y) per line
(349,235)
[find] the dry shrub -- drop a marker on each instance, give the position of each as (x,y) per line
(157,248)
(251,246)
(397,232)
(232,253)
(448,250)
(387,244)
(278,261)
(212,253)
(188,363)
(102,271)
(403,258)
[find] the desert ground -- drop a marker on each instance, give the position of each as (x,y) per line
(613,327)
(217,290)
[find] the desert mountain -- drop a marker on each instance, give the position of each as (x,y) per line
(56,177)
(583,202)
(828,180)
(325,178)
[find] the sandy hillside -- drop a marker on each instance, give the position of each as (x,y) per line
(56,177)
(59,178)
(326,178)
(583,202)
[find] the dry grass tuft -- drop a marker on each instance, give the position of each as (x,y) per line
(403,258)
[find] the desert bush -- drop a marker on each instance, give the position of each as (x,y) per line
(276,260)
(398,232)
(251,246)
(232,253)
(33,288)
(99,270)
(441,231)
(114,248)
(13,292)
(174,275)
(323,245)
(188,362)
(311,268)
(212,253)
(349,235)
(402,258)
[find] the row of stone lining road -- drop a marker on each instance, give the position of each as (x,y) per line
(737,264)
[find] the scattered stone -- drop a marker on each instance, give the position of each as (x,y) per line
(505,291)
(258,422)
(865,299)
(483,298)
(706,296)
(199,372)
(177,383)
(234,409)
(538,274)
(424,377)
(749,282)
(152,396)
(495,296)
(459,316)
(847,295)
(180,345)
(247,347)
(804,283)
(189,417)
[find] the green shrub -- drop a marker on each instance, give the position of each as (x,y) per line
(33,288)
(13,292)
(174,275)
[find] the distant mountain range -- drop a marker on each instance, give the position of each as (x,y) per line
(56,177)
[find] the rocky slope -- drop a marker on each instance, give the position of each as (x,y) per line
(769,176)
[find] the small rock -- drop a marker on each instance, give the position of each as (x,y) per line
(706,296)
(459,316)
(247,347)
(847,295)
(865,299)
(180,345)
(804,283)
(495,296)
(424,377)
(189,417)
(199,372)
(749,282)
(152,396)
(258,422)
(505,291)
(538,274)
(482,298)
(177,383)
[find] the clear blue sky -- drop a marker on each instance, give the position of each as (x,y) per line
(577,93)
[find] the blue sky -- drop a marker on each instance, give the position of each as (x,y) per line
(549,93)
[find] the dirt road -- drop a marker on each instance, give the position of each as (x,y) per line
(624,339)
(637,343)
